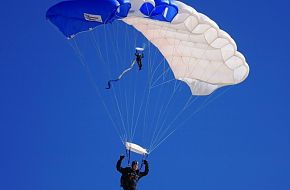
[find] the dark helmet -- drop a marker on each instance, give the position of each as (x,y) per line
(134,162)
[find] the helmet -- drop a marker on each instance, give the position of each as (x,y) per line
(134,162)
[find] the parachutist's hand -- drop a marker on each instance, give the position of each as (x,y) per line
(145,162)
(122,157)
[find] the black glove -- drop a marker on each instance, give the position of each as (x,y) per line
(145,162)
(122,157)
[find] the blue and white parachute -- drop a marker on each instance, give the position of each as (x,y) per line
(196,49)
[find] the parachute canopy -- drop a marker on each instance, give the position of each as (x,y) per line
(196,49)
(135,148)
(139,49)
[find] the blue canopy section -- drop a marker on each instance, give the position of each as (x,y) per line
(72,17)
(75,16)
(164,10)
(124,8)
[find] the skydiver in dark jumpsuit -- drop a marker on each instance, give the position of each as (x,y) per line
(139,57)
(131,175)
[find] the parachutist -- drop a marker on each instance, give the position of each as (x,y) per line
(131,175)
(139,56)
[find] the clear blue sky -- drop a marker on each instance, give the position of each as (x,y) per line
(54,134)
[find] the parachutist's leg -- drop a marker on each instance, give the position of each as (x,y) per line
(139,64)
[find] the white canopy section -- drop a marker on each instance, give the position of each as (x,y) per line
(135,148)
(197,51)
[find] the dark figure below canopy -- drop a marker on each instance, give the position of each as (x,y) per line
(131,175)
(139,56)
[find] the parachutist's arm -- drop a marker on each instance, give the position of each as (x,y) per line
(142,55)
(146,169)
(119,167)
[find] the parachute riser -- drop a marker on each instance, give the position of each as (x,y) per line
(128,155)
